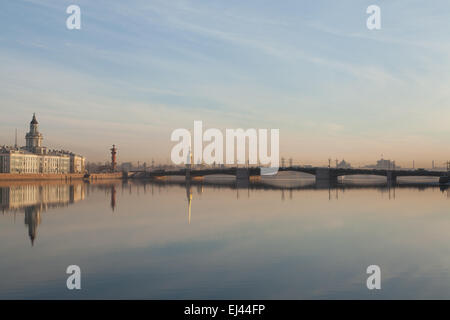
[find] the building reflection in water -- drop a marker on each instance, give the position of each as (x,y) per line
(34,199)
(189,198)
(32,220)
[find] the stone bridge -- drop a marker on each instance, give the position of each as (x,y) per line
(321,173)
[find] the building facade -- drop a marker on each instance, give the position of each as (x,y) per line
(77,163)
(34,158)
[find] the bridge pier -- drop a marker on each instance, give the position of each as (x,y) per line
(242,174)
(188,174)
(391,178)
(325,175)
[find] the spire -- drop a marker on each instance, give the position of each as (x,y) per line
(34,121)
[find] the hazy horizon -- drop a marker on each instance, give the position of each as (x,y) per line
(133,74)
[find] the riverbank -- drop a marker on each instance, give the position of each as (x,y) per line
(61,177)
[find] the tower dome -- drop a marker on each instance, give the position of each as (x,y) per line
(34,137)
(34,121)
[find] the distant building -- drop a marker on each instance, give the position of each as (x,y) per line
(127,166)
(384,165)
(34,158)
(344,165)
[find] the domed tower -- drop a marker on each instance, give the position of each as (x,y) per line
(34,137)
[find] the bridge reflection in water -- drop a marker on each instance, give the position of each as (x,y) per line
(35,198)
(284,186)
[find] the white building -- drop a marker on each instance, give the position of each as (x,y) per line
(34,158)
(344,165)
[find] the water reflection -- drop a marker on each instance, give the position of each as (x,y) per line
(34,199)
(189,199)
(268,238)
(32,220)
(113,197)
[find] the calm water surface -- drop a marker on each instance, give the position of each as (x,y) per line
(276,239)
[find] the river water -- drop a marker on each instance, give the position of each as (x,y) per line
(216,239)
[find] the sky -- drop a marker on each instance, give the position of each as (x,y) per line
(139,69)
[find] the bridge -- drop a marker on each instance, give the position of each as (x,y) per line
(321,173)
(262,185)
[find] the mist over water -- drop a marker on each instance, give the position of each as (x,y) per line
(275,238)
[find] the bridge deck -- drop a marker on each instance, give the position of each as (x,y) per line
(256,171)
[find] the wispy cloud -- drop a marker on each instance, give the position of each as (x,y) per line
(142,68)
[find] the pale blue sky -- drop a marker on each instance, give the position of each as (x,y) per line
(139,69)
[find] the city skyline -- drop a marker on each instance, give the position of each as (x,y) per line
(209,152)
(131,76)
(333,162)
